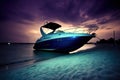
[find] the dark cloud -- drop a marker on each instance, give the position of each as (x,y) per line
(74,12)
(103,20)
(77,11)
(15,10)
(92,27)
(109,28)
(71,11)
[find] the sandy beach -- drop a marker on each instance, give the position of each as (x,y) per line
(99,63)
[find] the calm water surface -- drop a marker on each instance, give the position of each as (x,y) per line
(19,55)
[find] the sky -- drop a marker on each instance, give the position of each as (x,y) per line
(20,20)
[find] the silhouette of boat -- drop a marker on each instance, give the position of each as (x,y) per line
(61,41)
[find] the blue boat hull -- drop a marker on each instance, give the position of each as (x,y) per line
(67,44)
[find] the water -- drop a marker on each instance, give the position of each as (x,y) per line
(20,55)
(92,62)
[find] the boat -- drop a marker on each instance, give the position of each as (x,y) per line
(59,40)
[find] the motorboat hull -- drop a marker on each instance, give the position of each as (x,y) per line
(66,44)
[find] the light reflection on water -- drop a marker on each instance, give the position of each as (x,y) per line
(85,47)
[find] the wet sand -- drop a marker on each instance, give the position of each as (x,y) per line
(99,63)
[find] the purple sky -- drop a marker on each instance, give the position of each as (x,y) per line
(20,20)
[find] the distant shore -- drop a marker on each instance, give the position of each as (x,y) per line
(14,43)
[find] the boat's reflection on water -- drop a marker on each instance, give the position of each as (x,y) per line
(45,55)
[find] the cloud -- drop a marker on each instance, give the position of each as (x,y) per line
(91,13)
(16,11)
(69,11)
(92,27)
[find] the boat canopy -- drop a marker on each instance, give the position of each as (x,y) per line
(52,25)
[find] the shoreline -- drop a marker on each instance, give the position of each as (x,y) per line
(100,62)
